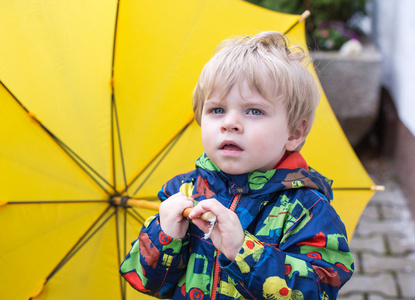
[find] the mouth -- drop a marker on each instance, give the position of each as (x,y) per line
(230,146)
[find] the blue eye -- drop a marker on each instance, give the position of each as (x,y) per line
(218,111)
(254,111)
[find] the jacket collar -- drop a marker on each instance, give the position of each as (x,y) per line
(292,173)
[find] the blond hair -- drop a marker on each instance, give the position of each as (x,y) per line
(265,61)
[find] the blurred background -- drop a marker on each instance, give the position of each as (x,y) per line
(363,53)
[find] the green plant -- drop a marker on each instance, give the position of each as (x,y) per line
(330,24)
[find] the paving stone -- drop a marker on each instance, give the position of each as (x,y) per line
(372,243)
(379,283)
(357,263)
(351,297)
(407,284)
(375,264)
(401,245)
(371,212)
(396,213)
(377,297)
(390,211)
(387,227)
(392,195)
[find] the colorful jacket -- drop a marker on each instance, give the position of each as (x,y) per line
(295,243)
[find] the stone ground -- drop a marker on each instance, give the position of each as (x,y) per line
(383,245)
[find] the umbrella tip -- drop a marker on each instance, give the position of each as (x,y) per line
(378,188)
(304,16)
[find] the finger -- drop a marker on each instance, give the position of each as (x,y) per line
(196,211)
(202,225)
(206,209)
(214,207)
(224,216)
(185,206)
(175,205)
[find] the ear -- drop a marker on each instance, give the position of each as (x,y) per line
(297,136)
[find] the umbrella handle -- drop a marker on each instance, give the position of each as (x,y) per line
(206,216)
(126,201)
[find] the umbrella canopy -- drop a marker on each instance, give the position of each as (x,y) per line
(95,104)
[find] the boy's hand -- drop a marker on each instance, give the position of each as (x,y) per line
(172,221)
(227,235)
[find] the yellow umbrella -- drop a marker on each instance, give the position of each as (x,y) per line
(95,104)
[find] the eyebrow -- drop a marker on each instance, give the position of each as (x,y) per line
(262,102)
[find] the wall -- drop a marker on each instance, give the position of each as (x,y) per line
(394,33)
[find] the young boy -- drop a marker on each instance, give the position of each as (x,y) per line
(276,235)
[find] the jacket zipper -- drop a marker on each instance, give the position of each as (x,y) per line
(216,268)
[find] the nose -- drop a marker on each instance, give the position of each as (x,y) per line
(232,123)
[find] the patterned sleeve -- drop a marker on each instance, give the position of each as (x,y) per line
(156,262)
(311,259)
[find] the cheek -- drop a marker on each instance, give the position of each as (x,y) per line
(271,139)
(206,134)
(208,125)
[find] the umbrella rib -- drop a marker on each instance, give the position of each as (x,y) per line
(363,188)
(56,201)
(117,232)
(81,242)
(75,157)
(168,146)
(114,174)
(136,215)
(125,233)
(115,112)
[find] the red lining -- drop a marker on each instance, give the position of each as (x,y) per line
(292,161)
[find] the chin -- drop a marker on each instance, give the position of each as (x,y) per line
(233,171)
(231,167)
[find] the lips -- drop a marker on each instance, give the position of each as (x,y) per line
(230,146)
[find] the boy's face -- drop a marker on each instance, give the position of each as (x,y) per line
(245,132)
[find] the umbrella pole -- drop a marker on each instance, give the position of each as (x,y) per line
(130,202)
